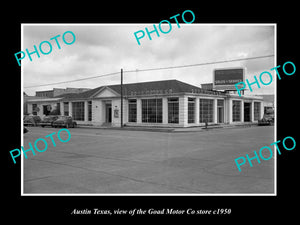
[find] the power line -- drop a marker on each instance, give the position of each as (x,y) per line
(88,78)
(200,64)
(153,69)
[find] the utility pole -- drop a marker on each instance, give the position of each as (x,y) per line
(121,98)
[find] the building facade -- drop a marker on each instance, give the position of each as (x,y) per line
(59,91)
(168,103)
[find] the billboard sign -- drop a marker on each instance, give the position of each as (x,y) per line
(225,79)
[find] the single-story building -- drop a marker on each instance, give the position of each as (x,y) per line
(169,103)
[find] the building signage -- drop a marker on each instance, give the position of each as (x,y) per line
(116,113)
(152,92)
(225,79)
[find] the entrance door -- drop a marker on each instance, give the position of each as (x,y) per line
(220,111)
(46,109)
(108,113)
(220,114)
(247,111)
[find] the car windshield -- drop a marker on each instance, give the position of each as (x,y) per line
(29,119)
(269,112)
(62,118)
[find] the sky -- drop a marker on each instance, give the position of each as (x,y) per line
(106,48)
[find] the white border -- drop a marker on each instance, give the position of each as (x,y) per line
(158,194)
(22,113)
(275,110)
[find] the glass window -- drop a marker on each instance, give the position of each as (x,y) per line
(220,103)
(66,108)
(257,111)
(58,108)
(191,110)
(144,110)
(132,110)
(78,111)
(173,110)
(89,110)
(236,111)
(152,110)
(34,109)
(206,110)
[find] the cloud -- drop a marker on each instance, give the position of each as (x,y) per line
(101,49)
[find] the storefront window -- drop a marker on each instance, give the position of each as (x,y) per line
(173,110)
(206,110)
(257,110)
(34,109)
(236,111)
(132,110)
(191,110)
(78,111)
(220,103)
(152,110)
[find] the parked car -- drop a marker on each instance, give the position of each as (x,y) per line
(268,118)
(263,122)
(25,130)
(31,120)
(48,120)
(64,121)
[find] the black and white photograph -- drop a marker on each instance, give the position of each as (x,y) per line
(149,113)
(157,115)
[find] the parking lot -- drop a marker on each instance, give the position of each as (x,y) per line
(108,161)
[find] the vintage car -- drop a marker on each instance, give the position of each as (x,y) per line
(48,120)
(268,118)
(31,120)
(64,121)
(25,130)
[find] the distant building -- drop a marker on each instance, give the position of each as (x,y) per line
(59,91)
(47,96)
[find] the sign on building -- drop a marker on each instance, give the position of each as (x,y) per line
(225,79)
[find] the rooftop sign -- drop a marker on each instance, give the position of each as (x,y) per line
(225,79)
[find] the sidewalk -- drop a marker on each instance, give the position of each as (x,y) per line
(171,129)
(214,126)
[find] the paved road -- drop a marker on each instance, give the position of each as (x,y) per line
(104,161)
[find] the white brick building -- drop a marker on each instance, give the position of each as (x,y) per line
(169,103)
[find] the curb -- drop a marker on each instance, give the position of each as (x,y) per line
(152,129)
(172,130)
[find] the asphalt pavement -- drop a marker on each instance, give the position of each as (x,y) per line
(108,161)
